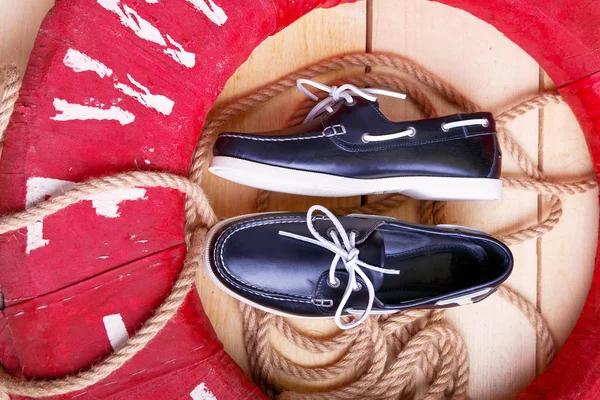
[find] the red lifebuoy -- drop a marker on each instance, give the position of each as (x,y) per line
(116,85)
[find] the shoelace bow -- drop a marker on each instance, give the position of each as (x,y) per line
(346,251)
(345,92)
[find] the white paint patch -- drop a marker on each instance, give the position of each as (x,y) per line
(152,1)
(160,103)
(35,237)
(211,10)
(80,62)
(116,330)
(179,54)
(145,30)
(201,392)
(70,112)
(106,204)
(133,21)
(37,190)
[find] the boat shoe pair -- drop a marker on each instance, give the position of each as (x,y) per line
(320,265)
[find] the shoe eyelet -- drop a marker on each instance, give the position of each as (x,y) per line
(486,123)
(330,231)
(358,287)
(364,137)
(352,103)
(444,127)
(356,233)
(413,132)
(334,285)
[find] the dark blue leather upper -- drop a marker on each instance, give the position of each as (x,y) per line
(333,145)
(252,259)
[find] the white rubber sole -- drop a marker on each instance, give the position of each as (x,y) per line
(278,179)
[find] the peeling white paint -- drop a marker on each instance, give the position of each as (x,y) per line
(145,30)
(179,54)
(133,21)
(211,10)
(116,330)
(162,104)
(147,162)
(35,237)
(201,392)
(106,204)
(70,112)
(37,190)
(80,62)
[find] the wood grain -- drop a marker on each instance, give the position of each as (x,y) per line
(566,255)
(493,72)
(19,24)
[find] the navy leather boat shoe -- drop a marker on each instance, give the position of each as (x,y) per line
(319,265)
(347,147)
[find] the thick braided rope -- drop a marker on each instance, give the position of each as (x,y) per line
(10,83)
(268,365)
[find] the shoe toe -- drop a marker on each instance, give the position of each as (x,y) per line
(253,258)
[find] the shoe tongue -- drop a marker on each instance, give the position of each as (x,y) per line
(369,242)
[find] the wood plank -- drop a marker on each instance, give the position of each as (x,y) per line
(567,253)
(319,35)
(19,24)
(494,72)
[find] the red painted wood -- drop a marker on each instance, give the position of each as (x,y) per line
(562,36)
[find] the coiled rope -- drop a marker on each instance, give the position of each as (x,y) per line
(384,352)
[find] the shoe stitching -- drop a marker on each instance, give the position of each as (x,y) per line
(287,139)
(341,143)
(263,222)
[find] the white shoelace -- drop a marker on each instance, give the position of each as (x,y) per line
(345,92)
(346,251)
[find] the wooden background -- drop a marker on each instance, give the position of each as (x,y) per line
(553,272)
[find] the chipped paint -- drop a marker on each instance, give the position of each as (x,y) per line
(79,112)
(145,30)
(116,330)
(80,62)
(105,204)
(211,10)
(201,392)
(162,104)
